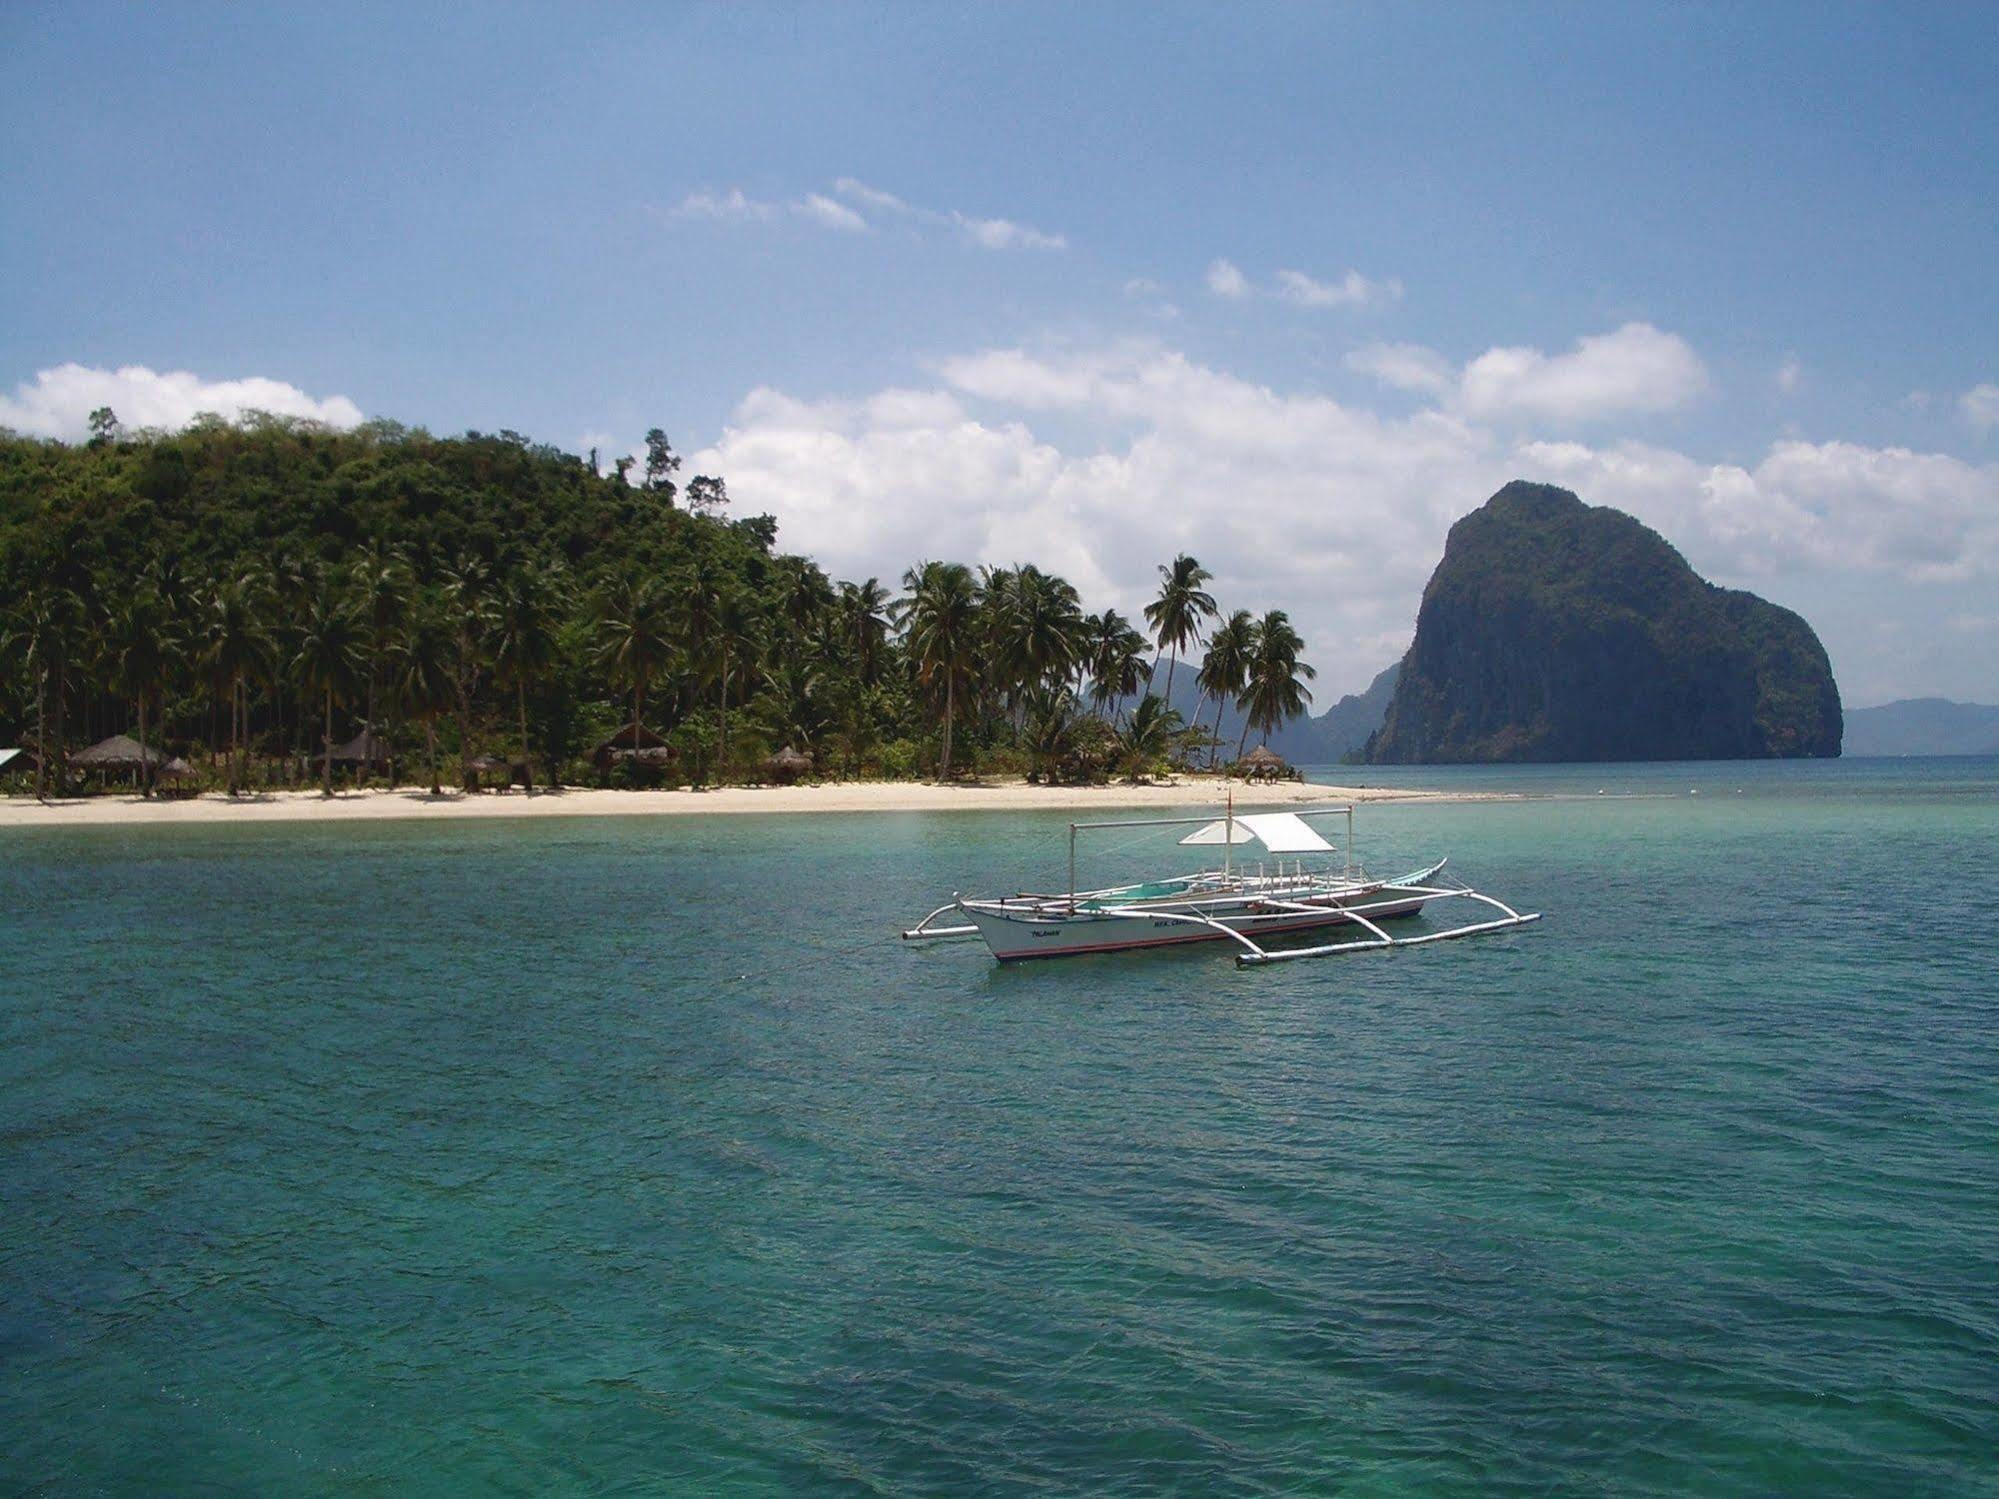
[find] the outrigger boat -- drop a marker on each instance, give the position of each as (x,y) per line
(1299,888)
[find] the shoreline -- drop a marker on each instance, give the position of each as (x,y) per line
(215,809)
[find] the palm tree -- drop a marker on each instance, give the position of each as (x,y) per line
(138,653)
(1044,636)
(48,624)
(803,593)
(940,621)
(236,645)
(382,586)
(425,669)
(866,608)
(332,650)
(526,618)
(1275,692)
(468,596)
(1116,658)
(738,635)
(634,629)
(1225,669)
(1176,615)
(1150,737)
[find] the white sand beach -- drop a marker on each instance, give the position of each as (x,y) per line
(1180,793)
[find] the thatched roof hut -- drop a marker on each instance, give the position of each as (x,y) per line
(118,753)
(1264,764)
(177,775)
(365,748)
(787,765)
(634,742)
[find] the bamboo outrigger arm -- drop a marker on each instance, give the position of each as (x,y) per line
(1381,939)
(923,931)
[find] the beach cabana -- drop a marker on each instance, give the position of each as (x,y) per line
(177,776)
(119,753)
(634,742)
(366,748)
(1264,764)
(787,765)
(480,766)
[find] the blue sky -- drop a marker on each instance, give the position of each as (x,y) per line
(1291,287)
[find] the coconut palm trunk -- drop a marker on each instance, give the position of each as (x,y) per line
(41,736)
(235,733)
(145,763)
(326,788)
(527,760)
(430,742)
(949,703)
(725,702)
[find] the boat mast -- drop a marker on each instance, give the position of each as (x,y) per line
(1072,866)
(1228,833)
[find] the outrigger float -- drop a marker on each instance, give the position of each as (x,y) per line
(1299,888)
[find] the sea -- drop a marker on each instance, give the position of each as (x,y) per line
(640,1156)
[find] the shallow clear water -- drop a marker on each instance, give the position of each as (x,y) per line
(640,1156)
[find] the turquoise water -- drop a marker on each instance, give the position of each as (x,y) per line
(640,1157)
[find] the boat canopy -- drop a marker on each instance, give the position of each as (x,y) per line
(1280,832)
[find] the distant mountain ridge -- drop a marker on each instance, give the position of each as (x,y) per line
(1553,630)
(1923,726)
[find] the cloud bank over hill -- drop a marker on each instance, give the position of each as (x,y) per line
(1300,500)
(57,402)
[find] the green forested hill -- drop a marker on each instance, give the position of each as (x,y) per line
(1555,630)
(242,595)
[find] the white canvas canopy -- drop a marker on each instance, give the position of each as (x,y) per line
(1280,832)
(6,755)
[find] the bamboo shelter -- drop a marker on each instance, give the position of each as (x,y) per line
(633,743)
(119,753)
(787,765)
(367,749)
(481,766)
(1264,764)
(178,777)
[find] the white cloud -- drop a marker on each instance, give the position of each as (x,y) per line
(1980,407)
(1224,280)
(731,207)
(58,402)
(829,214)
(1790,375)
(1351,290)
(1296,500)
(1404,367)
(874,197)
(735,207)
(1636,368)
(1004,234)
(1142,286)
(987,234)
(1836,507)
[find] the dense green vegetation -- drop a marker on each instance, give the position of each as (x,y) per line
(246,596)
(1554,630)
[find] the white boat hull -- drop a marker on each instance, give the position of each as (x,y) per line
(1017,934)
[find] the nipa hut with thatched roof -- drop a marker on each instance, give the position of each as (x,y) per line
(633,743)
(1264,764)
(787,765)
(481,766)
(366,748)
(119,752)
(177,777)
